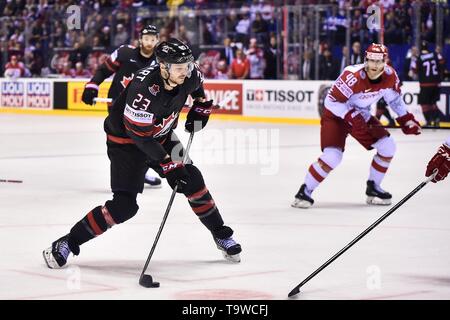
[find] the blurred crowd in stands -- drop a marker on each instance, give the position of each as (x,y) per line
(236,39)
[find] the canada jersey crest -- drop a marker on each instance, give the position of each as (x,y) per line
(154,89)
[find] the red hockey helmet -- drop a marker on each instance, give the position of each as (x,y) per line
(377,51)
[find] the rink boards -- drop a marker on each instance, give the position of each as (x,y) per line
(260,100)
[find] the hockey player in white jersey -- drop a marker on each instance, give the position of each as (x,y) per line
(347,111)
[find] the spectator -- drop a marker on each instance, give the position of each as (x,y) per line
(357,26)
(37,61)
(14,68)
(271,54)
(240,66)
(207,62)
(105,37)
(121,36)
(227,53)
(336,24)
(242,29)
(256,58)
(259,28)
(231,23)
(308,66)
(67,71)
(344,61)
(327,66)
(81,72)
(222,70)
(392,32)
(356,56)
(78,54)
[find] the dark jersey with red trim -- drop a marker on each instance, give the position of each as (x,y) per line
(429,67)
(125,61)
(146,112)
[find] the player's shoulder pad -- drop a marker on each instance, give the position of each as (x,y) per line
(147,73)
(125,48)
(121,53)
(390,78)
(390,74)
(197,73)
(388,70)
(355,68)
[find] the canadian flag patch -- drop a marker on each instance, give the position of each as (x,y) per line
(154,89)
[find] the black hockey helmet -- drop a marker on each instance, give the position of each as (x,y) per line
(424,46)
(173,51)
(149,29)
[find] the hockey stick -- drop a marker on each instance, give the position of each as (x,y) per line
(296,290)
(105,100)
(11,181)
(423,127)
(146,280)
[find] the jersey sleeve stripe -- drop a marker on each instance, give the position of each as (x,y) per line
(111,65)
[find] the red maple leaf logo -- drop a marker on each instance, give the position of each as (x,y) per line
(126,80)
(154,89)
(166,124)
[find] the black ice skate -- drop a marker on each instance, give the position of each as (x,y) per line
(153,182)
(56,256)
(376,195)
(230,249)
(302,200)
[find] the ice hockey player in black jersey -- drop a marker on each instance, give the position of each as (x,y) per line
(429,68)
(124,62)
(140,126)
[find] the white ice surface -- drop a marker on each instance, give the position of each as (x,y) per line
(65,171)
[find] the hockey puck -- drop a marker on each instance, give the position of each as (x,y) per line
(147,281)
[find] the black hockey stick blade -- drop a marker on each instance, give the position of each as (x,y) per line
(146,281)
(10,181)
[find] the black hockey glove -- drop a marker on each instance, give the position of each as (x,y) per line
(175,173)
(198,116)
(90,92)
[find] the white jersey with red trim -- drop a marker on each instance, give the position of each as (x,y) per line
(14,70)
(353,89)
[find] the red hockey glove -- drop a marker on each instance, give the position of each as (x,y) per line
(409,124)
(441,162)
(356,120)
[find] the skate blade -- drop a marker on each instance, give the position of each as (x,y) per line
(49,259)
(378,202)
(150,186)
(236,258)
(303,204)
